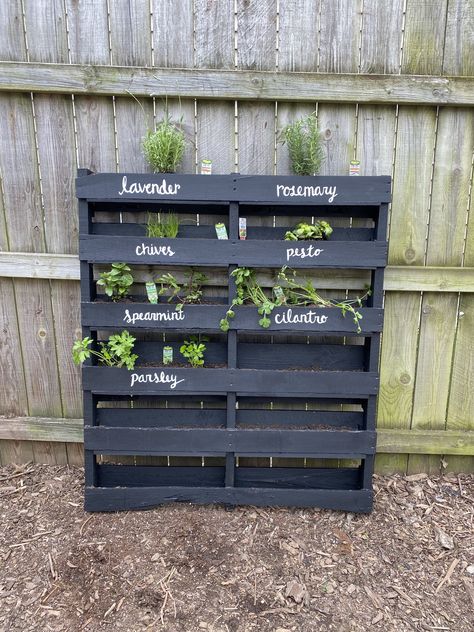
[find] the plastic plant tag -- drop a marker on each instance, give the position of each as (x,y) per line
(354,168)
(280,296)
(167,355)
(151,292)
(221,231)
(242,228)
(206,167)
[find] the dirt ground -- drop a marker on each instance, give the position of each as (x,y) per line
(408,566)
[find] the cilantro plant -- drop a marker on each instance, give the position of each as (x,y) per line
(116,281)
(249,291)
(303,293)
(318,230)
(193,350)
(190,291)
(117,351)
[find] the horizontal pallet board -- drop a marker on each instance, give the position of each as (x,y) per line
(128,498)
(270,190)
(150,381)
(63,267)
(209,417)
(283,477)
(397,441)
(234,84)
(207,318)
(218,252)
(208,442)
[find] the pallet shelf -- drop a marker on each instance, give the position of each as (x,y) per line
(300,394)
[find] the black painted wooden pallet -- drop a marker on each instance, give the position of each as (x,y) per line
(230,414)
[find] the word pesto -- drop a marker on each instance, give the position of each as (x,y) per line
(150,188)
(168,315)
(306,191)
(155,378)
(302,253)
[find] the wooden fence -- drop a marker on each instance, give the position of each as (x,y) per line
(392,83)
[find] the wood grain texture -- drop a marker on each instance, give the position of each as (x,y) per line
(298,36)
(411,185)
(173,33)
(339,37)
(424,37)
(12,36)
(337,124)
(95,133)
(398,366)
(130,33)
(214,34)
(215,135)
(88,31)
(256,126)
(37,332)
(235,84)
(449,201)
(133,121)
(381,36)
(256,34)
(459,40)
(375,133)
(46,31)
(13,396)
(19,169)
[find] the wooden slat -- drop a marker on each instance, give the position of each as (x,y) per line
(12,37)
(389,440)
(381,36)
(235,85)
(46,31)
(458,58)
(424,37)
(297,37)
(130,33)
(25,265)
(256,34)
(449,202)
(172,33)
(88,32)
(340,22)
(214,34)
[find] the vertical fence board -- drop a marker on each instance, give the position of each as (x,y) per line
(298,36)
(12,38)
(410,208)
(173,36)
(375,134)
(256,34)
(46,30)
(423,44)
(459,41)
(452,170)
(130,33)
(381,36)
(214,34)
(88,31)
(340,33)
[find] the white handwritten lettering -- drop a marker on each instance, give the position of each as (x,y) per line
(150,188)
(306,191)
(308,318)
(302,253)
(168,315)
(155,378)
(145,249)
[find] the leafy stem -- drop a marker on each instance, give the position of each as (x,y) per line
(117,351)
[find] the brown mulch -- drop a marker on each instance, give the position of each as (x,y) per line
(407,566)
